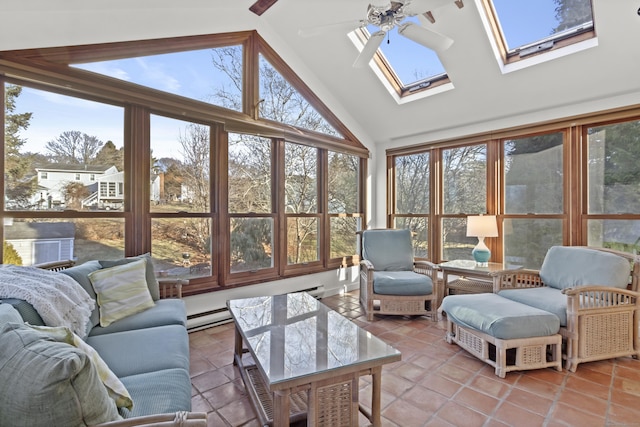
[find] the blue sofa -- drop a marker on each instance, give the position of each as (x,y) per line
(147,351)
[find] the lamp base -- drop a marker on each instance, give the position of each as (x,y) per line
(481,253)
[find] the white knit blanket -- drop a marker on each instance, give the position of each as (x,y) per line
(57,298)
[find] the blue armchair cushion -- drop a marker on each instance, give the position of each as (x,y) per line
(159,392)
(388,250)
(566,267)
(8,314)
(499,317)
(545,298)
(401,283)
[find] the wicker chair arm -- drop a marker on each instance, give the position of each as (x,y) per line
(56,265)
(516,279)
(366,266)
(585,298)
(178,419)
(425,267)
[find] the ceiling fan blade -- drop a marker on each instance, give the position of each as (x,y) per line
(369,49)
(416,7)
(346,26)
(426,38)
(261,6)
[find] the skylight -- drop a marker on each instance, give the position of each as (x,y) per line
(528,27)
(410,62)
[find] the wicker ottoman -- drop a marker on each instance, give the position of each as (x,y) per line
(507,335)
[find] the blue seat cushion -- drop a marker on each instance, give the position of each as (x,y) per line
(164,312)
(143,350)
(159,392)
(401,283)
(388,250)
(499,317)
(545,298)
(566,267)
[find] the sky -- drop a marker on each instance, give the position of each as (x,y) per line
(190,74)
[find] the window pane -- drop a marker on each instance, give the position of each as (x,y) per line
(301,183)
(533,174)
(410,61)
(249,174)
(54,145)
(35,241)
(181,247)
(621,235)
(251,244)
(343,236)
(526,241)
(465,179)
(302,240)
(531,21)
(455,243)
(180,166)
(614,169)
(343,183)
(208,75)
(419,227)
(412,183)
(282,103)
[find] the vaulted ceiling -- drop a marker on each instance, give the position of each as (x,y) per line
(483,97)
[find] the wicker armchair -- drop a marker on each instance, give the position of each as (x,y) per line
(600,318)
(391,281)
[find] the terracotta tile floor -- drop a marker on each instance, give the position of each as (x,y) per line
(435,383)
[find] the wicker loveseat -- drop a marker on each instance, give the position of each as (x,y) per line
(593,291)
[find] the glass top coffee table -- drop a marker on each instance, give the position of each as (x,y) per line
(299,359)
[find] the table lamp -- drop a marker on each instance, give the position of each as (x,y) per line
(482,226)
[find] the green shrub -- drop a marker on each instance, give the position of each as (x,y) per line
(10,255)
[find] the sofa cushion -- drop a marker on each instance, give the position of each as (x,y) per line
(388,250)
(143,350)
(80,273)
(122,291)
(401,283)
(48,383)
(8,314)
(26,310)
(544,298)
(499,317)
(115,388)
(566,267)
(164,312)
(150,275)
(158,392)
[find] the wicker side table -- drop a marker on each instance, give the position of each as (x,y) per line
(470,278)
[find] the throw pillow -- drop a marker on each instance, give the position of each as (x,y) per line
(8,314)
(117,391)
(150,275)
(48,383)
(122,291)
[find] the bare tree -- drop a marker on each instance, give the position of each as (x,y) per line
(74,147)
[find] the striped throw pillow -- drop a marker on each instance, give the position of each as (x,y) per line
(122,291)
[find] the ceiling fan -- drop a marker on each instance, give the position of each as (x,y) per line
(387,15)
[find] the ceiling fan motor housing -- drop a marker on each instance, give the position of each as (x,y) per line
(386,17)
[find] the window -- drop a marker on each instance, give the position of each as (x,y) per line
(179,195)
(43,175)
(251,207)
(77,177)
(301,203)
(526,28)
(614,182)
(464,192)
(412,203)
(201,188)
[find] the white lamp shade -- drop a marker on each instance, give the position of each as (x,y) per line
(482,226)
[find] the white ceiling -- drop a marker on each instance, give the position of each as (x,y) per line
(605,75)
